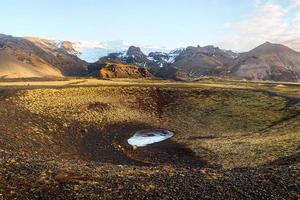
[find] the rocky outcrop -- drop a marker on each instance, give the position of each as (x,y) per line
(136,53)
(119,70)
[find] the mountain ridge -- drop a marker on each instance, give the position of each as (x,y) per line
(268,62)
(37,57)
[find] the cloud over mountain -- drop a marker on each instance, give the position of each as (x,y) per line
(270,21)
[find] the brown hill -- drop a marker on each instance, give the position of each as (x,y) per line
(194,62)
(268,62)
(11,67)
(59,57)
(119,70)
(32,57)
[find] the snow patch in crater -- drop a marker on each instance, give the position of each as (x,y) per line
(146,137)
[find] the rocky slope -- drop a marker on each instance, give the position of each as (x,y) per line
(268,62)
(33,57)
(195,62)
(60,56)
(19,58)
(119,70)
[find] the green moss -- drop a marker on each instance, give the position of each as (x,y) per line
(231,127)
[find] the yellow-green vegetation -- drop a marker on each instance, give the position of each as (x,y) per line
(233,125)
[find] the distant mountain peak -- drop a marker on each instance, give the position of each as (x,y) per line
(68,46)
(269,47)
(135,52)
(269,61)
(268,43)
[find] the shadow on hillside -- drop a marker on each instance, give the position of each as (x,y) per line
(109,145)
(288,160)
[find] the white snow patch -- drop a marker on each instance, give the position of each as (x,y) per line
(58,44)
(151,58)
(173,55)
(146,137)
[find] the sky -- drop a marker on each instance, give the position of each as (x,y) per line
(231,24)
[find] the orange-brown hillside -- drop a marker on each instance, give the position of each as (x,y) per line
(119,70)
(34,57)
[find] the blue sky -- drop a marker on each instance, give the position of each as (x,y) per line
(157,22)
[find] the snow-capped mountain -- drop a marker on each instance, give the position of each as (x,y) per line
(36,57)
(162,58)
(93,51)
(154,61)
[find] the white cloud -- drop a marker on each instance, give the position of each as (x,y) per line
(296,2)
(270,22)
(296,23)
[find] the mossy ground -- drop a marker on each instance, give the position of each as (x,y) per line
(233,139)
(232,127)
